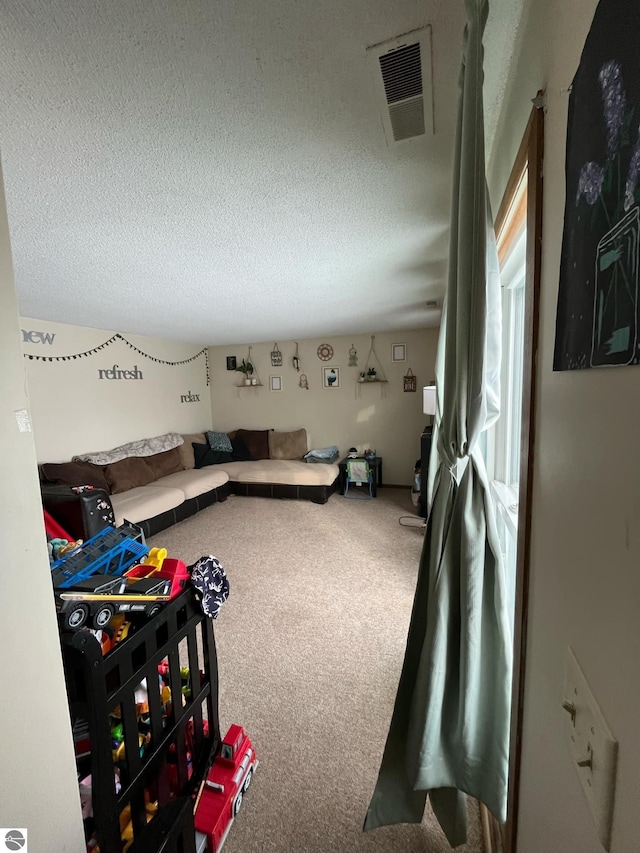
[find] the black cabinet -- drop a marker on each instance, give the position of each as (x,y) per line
(166,747)
(425,453)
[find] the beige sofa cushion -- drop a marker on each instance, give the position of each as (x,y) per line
(186,450)
(144,502)
(288,445)
(281,471)
(195,482)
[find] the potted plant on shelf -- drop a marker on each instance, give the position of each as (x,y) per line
(372,374)
(247,368)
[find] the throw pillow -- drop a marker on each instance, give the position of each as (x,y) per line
(167,462)
(239,452)
(186,449)
(74,474)
(127,474)
(219,441)
(288,445)
(257,441)
(204,455)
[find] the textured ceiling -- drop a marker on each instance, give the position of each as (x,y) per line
(217,172)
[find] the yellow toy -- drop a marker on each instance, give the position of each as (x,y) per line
(156,558)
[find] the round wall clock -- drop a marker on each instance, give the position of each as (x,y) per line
(325,352)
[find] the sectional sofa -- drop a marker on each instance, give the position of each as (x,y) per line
(157,482)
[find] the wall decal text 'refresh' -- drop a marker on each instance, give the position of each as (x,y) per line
(116,372)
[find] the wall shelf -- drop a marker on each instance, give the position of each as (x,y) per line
(254,375)
(373,362)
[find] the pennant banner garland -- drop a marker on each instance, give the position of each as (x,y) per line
(203,352)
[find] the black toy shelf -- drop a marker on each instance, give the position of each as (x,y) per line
(157,772)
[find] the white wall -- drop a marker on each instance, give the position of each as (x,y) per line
(585,554)
(382,417)
(39,788)
(76,411)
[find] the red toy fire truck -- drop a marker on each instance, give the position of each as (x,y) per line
(222,791)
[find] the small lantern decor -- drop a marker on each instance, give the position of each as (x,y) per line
(276,356)
(409,381)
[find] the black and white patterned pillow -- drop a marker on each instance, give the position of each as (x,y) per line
(219,441)
(211,583)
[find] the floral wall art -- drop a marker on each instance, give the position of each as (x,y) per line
(597,317)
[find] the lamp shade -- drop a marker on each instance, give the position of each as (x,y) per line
(429,400)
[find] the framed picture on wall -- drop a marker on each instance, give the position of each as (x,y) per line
(275,383)
(330,377)
(398,352)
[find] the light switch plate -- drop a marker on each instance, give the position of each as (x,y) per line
(594,751)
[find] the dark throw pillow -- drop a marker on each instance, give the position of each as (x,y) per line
(257,442)
(205,456)
(239,450)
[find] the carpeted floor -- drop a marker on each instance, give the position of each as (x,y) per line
(310,647)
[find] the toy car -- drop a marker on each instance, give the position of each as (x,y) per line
(222,791)
(142,589)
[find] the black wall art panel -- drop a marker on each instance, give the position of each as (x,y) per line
(597,318)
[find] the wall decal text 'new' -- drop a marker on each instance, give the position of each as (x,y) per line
(33,337)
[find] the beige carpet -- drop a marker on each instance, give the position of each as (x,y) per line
(310,648)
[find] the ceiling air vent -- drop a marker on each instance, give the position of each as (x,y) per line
(402,73)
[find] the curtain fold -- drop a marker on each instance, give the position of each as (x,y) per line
(449,733)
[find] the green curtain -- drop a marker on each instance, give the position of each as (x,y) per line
(449,734)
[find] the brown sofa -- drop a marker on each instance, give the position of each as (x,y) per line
(157,489)
(153,491)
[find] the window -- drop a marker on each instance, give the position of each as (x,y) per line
(510,448)
(503,445)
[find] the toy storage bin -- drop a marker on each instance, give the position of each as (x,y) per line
(82,514)
(181,741)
